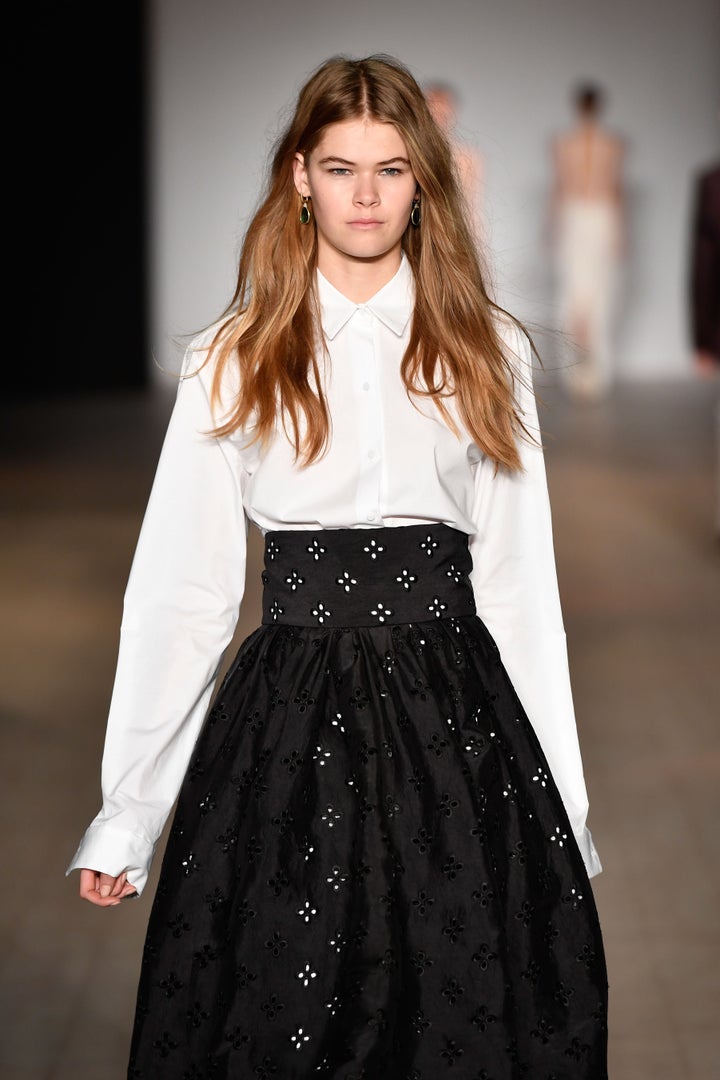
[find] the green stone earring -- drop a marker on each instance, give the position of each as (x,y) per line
(305,213)
(415,214)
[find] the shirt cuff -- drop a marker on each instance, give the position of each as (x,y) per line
(112,851)
(589,854)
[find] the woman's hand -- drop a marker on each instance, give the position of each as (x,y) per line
(104,890)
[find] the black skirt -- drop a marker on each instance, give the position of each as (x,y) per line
(370,872)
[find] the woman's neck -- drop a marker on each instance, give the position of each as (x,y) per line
(358,279)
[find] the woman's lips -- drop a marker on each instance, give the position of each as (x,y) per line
(365,223)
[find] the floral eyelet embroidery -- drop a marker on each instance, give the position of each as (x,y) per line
(307,912)
(373,549)
(455,573)
(429,545)
(406,579)
(381,613)
(452,1052)
(300,1038)
(306,974)
(315,549)
(330,816)
(336,878)
(321,613)
(558,836)
(540,776)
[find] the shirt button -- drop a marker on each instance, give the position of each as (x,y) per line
(366,386)
(370,515)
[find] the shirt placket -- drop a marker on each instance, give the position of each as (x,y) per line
(366,388)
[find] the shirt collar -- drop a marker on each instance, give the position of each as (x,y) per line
(392,305)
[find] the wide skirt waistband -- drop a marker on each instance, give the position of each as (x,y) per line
(366,577)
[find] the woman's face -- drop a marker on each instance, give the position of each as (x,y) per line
(362,189)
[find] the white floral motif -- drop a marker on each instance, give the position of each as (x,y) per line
(381,612)
(337,722)
(321,755)
(406,579)
(437,607)
(294,579)
(307,912)
(338,941)
(336,878)
(315,549)
(558,836)
(346,581)
(272,550)
(321,613)
(308,851)
(374,549)
(455,574)
(299,1038)
(330,816)
(428,545)
(276,610)
(306,974)
(574,899)
(540,776)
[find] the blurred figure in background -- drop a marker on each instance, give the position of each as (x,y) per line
(705,291)
(705,272)
(587,234)
(442,101)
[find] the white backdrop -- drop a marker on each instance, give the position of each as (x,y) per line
(223,74)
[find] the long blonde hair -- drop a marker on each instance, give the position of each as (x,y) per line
(271,328)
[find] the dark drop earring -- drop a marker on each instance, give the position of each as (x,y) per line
(415,214)
(305,212)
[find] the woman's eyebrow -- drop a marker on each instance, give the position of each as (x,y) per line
(344,161)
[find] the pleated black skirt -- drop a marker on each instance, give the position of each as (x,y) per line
(370,873)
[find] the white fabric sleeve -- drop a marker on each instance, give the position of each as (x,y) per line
(180,611)
(516,592)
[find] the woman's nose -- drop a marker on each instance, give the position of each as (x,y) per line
(366,193)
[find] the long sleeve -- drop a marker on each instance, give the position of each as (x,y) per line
(179,614)
(516,592)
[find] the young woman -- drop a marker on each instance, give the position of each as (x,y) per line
(378,865)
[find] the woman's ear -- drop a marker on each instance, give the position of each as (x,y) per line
(300,175)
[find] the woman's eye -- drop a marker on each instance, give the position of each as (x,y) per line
(390,171)
(339,172)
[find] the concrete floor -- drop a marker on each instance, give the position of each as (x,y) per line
(633,483)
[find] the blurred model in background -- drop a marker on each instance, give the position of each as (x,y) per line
(587,233)
(442,101)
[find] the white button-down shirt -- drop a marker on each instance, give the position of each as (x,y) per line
(391,461)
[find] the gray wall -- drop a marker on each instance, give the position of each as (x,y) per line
(223,74)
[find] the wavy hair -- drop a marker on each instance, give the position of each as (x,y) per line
(271,328)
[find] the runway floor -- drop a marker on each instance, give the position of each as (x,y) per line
(634,487)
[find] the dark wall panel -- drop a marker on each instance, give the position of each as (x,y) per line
(77,320)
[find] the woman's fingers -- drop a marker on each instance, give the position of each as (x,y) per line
(104,890)
(115,884)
